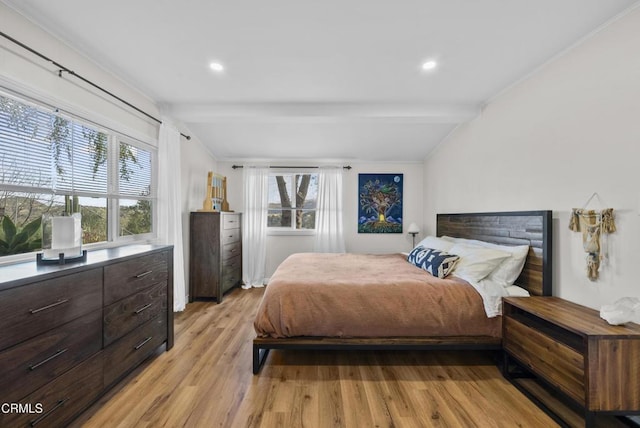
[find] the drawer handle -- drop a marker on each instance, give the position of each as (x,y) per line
(142,309)
(144,342)
(44,415)
(59,302)
(46,360)
(233,250)
(143,274)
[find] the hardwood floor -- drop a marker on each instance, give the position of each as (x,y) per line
(206,381)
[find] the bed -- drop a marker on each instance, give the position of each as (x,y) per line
(346,301)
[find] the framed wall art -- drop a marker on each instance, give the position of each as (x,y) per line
(380,203)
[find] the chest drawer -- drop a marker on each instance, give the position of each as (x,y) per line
(33,309)
(232,264)
(134,348)
(62,399)
(33,363)
(231,221)
(126,278)
(126,314)
(230,279)
(557,363)
(231,250)
(229,236)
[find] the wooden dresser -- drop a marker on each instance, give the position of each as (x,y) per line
(215,256)
(573,352)
(69,332)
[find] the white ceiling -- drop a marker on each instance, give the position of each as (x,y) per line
(331,79)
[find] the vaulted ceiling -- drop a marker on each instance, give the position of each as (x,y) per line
(332,79)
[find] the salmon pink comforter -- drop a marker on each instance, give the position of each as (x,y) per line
(367,295)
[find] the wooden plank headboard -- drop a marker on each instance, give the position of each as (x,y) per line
(533,228)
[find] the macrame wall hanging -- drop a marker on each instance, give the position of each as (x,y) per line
(593,224)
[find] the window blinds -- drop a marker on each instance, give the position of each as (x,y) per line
(44,152)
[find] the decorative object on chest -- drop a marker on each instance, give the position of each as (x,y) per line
(61,240)
(566,349)
(215,256)
(215,199)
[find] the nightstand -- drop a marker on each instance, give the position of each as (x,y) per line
(574,353)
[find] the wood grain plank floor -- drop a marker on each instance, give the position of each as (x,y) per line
(206,381)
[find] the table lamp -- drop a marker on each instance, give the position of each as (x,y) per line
(413,231)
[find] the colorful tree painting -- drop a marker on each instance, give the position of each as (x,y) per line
(380,207)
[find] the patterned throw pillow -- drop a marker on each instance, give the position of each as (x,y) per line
(437,263)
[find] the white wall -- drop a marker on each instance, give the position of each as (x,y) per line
(195,163)
(279,246)
(23,71)
(571,129)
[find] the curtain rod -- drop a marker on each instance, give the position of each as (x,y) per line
(291,167)
(62,68)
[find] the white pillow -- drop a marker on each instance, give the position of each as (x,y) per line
(476,262)
(507,273)
(435,243)
(515,291)
(510,269)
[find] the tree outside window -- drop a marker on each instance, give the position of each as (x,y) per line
(292,201)
(53,165)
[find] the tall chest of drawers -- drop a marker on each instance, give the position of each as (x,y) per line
(215,257)
(71,332)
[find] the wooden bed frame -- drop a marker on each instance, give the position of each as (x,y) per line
(533,228)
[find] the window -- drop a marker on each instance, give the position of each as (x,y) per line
(134,182)
(292,201)
(50,163)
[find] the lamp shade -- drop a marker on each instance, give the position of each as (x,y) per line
(413,228)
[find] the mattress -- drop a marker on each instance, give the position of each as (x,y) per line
(368,295)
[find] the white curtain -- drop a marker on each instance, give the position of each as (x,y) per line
(254,223)
(329,230)
(169,225)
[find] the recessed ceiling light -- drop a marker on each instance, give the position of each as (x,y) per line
(429,65)
(217,67)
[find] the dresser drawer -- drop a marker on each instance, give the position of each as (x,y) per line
(230,235)
(231,273)
(231,250)
(126,314)
(33,309)
(231,221)
(230,280)
(125,278)
(550,359)
(232,264)
(132,349)
(62,399)
(33,363)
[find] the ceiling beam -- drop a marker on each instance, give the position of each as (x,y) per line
(321,111)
